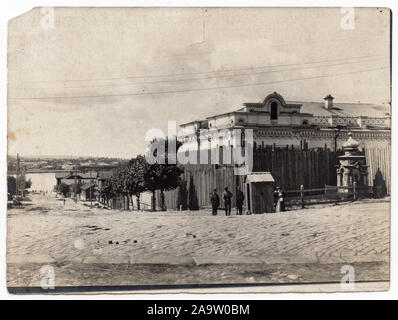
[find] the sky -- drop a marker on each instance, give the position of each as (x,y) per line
(98,79)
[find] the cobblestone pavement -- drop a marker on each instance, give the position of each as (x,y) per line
(48,232)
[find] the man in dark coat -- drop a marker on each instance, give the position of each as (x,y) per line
(227,196)
(215,202)
(239,200)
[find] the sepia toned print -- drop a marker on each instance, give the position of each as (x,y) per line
(234,149)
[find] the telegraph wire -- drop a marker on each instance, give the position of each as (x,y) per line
(204,72)
(196,89)
(202,78)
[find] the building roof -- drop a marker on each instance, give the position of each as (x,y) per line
(79,175)
(259,177)
(87,186)
(228,113)
(60,175)
(345,109)
(318,108)
(87,175)
(68,182)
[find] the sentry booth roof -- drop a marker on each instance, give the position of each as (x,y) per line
(259,177)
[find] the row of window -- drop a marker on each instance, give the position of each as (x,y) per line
(273,115)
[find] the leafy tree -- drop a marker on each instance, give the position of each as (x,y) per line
(64,189)
(11,185)
(28,184)
(120,183)
(135,181)
(137,176)
(116,183)
(151,177)
(107,190)
(169,179)
(124,182)
(162,177)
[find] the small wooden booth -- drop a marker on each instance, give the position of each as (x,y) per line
(259,188)
(88,192)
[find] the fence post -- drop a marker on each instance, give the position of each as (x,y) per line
(354,190)
(302,196)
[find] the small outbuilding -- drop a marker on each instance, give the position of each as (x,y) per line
(259,190)
(88,192)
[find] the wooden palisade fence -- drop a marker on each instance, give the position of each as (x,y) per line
(290,167)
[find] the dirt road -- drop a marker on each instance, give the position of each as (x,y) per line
(102,247)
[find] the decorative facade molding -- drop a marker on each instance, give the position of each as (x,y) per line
(355,122)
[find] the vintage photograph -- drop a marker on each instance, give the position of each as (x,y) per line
(236,149)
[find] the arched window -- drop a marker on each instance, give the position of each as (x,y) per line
(274,111)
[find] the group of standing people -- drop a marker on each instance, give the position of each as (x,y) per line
(279,201)
(227,198)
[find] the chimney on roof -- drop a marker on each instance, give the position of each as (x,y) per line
(328,101)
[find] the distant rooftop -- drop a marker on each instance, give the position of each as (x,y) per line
(344,109)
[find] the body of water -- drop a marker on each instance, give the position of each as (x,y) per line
(43,181)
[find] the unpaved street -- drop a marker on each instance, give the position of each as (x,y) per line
(102,247)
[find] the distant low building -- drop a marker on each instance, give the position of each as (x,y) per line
(89,191)
(60,178)
(102,164)
(70,178)
(67,166)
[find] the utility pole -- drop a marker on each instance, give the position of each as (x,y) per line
(22,180)
(336,136)
(75,184)
(17,178)
(91,192)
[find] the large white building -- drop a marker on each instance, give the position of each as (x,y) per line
(302,124)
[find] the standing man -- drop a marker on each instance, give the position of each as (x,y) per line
(239,200)
(227,196)
(276,197)
(215,202)
(280,204)
(281,200)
